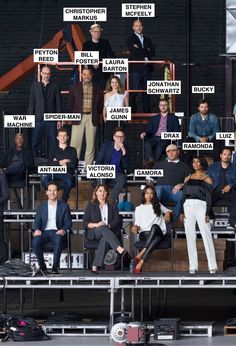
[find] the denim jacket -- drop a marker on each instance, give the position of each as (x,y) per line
(214,171)
(206,128)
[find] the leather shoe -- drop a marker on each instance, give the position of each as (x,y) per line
(55,270)
(126,258)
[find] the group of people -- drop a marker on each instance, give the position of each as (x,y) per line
(193,188)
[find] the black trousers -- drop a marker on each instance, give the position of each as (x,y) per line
(152,239)
(229,197)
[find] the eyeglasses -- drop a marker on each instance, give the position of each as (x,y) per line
(119,136)
(48,74)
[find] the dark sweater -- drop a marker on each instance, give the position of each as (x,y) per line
(174,173)
(67,153)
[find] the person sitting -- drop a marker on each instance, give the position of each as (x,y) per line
(62,155)
(150,223)
(17,160)
(223,174)
(195,207)
(203,126)
(169,187)
(52,220)
(101,222)
(154,146)
(115,153)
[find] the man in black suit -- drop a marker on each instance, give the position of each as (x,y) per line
(44,98)
(141,49)
(16,160)
(52,221)
(115,153)
(154,146)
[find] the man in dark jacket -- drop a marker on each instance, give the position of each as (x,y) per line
(141,49)
(62,155)
(16,160)
(4,196)
(44,98)
(52,221)
(103,47)
(223,174)
(87,99)
(154,146)
(115,153)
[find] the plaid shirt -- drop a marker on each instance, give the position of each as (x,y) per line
(162,126)
(87,97)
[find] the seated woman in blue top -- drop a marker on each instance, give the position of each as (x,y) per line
(101,221)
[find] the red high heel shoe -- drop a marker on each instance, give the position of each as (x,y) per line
(137,271)
(136,260)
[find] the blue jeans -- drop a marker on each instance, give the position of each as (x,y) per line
(39,132)
(165,195)
(66,180)
(57,242)
(15,172)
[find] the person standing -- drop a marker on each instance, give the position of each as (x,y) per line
(85,98)
(44,98)
(196,207)
(104,48)
(141,48)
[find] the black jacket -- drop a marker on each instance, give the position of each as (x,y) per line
(27,156)
(104,156)
(140,53)
(36,101)
(172,124)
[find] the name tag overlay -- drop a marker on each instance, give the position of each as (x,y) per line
(101,171)
(44,55)
(138,10)
(52,169)
(84,14)
(171,135)
(203,89)
(155,87)
(62,116)
(148,172)
(19,121)
(197,146)
(115,65)
(224,135)
(118,113)
(86,57)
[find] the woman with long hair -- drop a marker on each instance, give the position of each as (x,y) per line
(101,222)
(115,96)
(196,207)
(151,218)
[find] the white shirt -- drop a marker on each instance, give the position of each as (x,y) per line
(145,217)
(52,210)
(104,213)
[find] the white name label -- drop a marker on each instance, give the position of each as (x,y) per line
(224,135)
(19,121)
(171,135)
(84,14)
(149,172)
(46,55)
(52,169)
(118,113)
(203,89)
(101,171)
(163,87)
(86,57)
(115,65)
(138,10)
(197,146)
(62,116)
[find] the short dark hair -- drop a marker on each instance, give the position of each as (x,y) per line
(52,182)
(116,129)
(203,162)
(87,69)
(49,67)
(163,100)
(62,129)
(226,148)
(201,101)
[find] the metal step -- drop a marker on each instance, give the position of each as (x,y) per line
(76,329)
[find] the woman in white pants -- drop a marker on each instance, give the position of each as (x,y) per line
(196,206)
